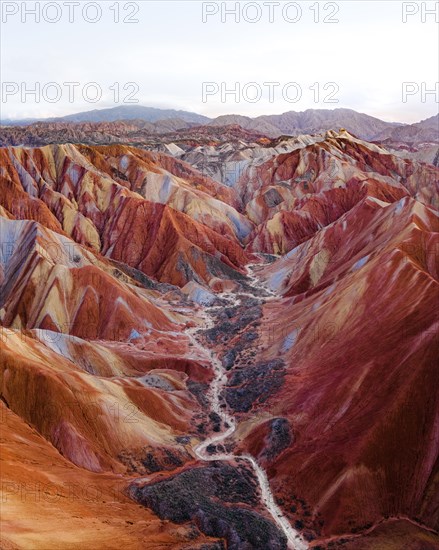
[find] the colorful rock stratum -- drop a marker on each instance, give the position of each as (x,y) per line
(229,345)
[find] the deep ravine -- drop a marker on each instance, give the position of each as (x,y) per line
(208,449)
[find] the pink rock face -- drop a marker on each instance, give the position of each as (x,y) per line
(323,354)
(357,330)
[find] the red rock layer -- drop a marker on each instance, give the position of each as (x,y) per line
(95,362)
(292,196)
(60,187)
(358,331)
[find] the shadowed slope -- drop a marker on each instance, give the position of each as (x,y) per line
(357,329)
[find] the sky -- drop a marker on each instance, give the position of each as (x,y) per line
(374,56)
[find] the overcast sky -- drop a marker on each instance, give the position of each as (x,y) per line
(171,53)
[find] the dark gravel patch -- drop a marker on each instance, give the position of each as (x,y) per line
(279,437)
(254,384)
(210,496)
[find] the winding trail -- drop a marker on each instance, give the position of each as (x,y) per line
(295,541)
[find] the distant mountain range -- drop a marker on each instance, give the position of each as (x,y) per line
(426,131)
(292,123)
(311,121)
(123,112)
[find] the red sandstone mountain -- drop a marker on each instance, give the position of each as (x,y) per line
(293,195)
(133,132)
(124,204)
(328,351)
(356,329)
